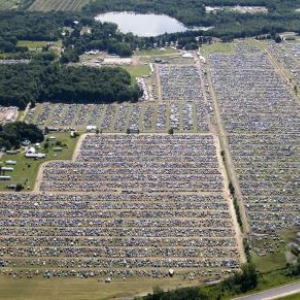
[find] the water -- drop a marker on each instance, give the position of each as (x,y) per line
(142,24)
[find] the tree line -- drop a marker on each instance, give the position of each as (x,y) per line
(21,84)
(68,26)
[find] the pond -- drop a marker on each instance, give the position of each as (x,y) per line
(142,24)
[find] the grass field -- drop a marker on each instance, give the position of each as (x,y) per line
(138,71)
(218,47)
(37,45)
(25,171)
(154,52)
(57,5)
(82,289)
(292,297)
(276,260)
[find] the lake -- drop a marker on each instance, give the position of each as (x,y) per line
(142,24)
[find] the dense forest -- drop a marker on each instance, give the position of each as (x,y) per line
(36,82)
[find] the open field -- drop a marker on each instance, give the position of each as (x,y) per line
(280,253)
(38,45)
(156,52)
(83,289)
(217,47)
(292,297)
(26,169)
(138,71)
(57,5)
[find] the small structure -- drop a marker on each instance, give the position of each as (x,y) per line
(26,143)
(5,177)
(9,169)
(35,155)
(10,162)
(171,272)
(12,152)
(31,150)
(57,149)
(91,128)
(31,153)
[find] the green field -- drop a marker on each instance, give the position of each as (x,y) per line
(37,45)
(218,47)
(58,5)
(276,260)
(25,171)
(138,71)
(155,52)
(292,297)
(82,289)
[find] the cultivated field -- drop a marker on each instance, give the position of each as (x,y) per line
(57,5)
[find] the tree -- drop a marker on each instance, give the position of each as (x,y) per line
(278,39)
(171,131)
(19,187)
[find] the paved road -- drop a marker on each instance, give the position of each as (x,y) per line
(275,293)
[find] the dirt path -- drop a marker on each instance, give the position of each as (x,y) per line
(229,173)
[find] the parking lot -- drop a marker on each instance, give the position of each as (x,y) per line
(146,117)
(126,205)
(261,116)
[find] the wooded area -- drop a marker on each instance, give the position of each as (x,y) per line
(37,82)
(12,134)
